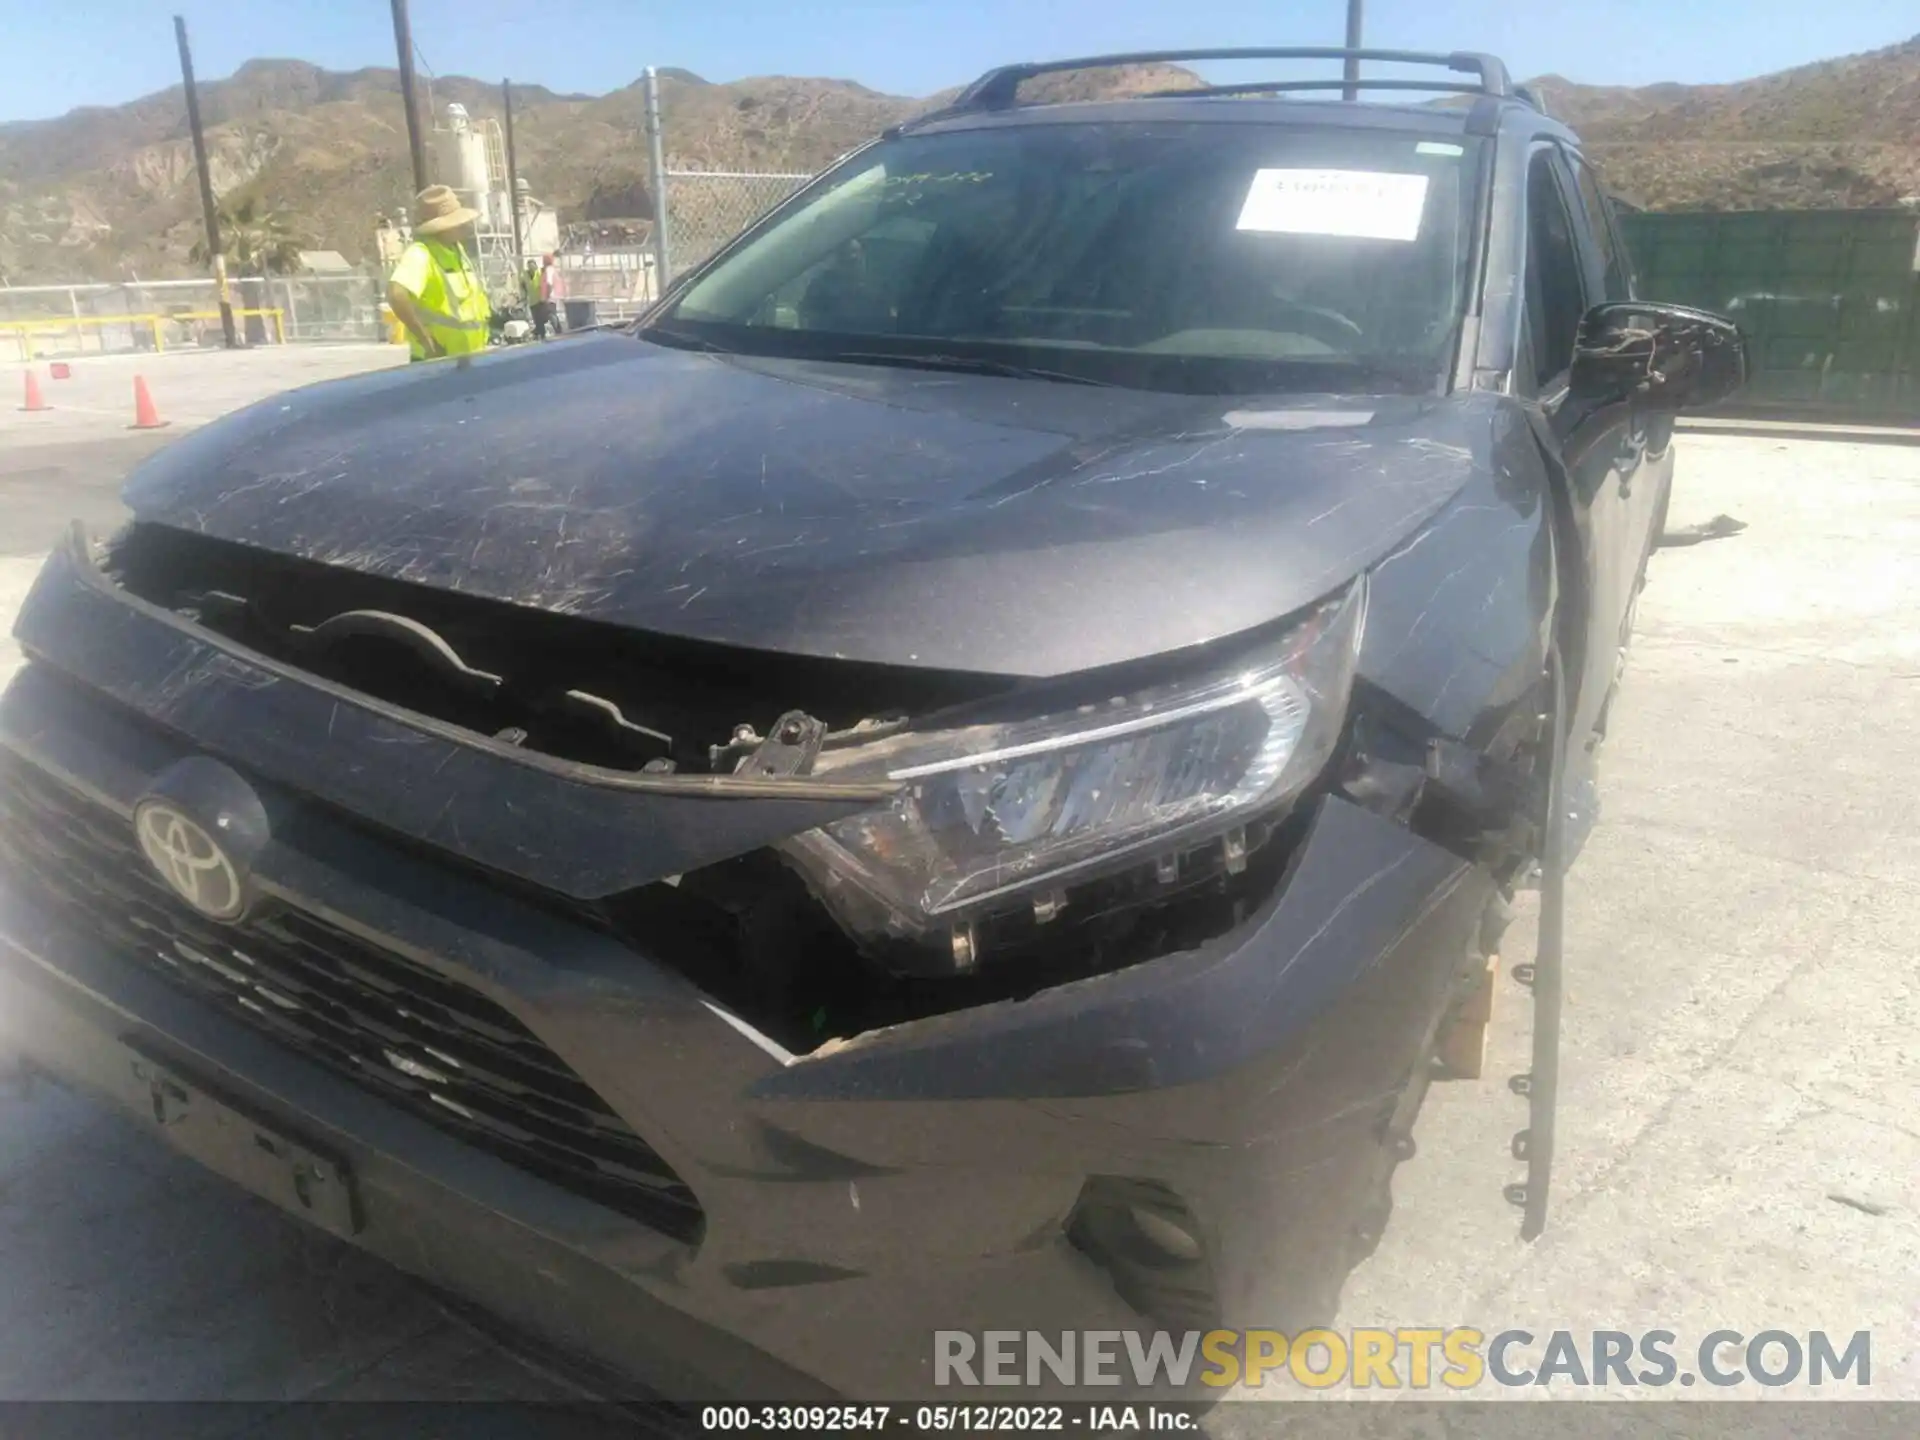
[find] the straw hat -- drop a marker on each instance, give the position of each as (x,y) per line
(437,210)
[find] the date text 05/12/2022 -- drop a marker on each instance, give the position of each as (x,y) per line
(940,1419)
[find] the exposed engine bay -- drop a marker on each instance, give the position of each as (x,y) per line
(591,693)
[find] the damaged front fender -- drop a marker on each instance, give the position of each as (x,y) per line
(1208,1017)
(573,829)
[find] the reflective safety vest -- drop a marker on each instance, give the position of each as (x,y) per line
(451,299)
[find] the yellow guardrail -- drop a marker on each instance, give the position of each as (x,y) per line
(61,324)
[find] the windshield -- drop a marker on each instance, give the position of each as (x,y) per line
(1198,257)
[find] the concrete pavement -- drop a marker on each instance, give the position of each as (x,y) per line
(1738,1133)
(189,387)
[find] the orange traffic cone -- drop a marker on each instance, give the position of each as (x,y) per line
(35,400)
(145,416)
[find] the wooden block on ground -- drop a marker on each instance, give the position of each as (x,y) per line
(1462,1046)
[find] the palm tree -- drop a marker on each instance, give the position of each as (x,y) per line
(255,241)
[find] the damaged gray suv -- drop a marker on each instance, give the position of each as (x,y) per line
(960,774)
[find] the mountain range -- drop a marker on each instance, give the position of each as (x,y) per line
(107,192)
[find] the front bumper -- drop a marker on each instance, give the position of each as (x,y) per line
(916,1179)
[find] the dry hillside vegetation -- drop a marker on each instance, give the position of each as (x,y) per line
(107,192)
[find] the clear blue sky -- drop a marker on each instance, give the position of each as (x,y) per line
(64,53)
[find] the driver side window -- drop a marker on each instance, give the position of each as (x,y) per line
(1556,296)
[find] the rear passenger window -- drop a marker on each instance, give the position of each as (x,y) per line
(1600,221)
(1556,295)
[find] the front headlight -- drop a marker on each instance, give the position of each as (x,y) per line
(994,815)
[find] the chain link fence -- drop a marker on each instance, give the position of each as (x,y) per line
(614,284)
(329,307)
(52,321)
(706,209)
(599,282)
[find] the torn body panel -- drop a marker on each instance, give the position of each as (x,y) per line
(1459,612)
(562,827)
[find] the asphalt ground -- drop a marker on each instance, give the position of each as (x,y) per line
(1740,1113)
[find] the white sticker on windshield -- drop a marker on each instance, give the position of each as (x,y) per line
(1353,204)
(1296,419)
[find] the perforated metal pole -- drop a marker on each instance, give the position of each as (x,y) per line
(657,181)
(1351,71)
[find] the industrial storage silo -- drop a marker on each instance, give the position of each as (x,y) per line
(463,162)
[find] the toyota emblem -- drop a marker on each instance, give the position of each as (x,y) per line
(190,860)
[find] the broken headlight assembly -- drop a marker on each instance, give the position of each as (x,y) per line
(991,817)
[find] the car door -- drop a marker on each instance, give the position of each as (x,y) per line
(1599,447)
(1610,277)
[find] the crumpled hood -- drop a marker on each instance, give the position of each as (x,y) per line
(898,516)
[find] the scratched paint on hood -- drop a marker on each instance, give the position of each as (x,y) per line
(899,516)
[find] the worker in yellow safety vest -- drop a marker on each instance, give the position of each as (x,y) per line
(434,290)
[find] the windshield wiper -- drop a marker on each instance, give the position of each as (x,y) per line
(960,364)
(680,340)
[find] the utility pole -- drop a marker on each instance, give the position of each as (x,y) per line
(657,165)
(403,42)
(207,211)
(1352,72)
(513,183)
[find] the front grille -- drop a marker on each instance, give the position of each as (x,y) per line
(429,1044)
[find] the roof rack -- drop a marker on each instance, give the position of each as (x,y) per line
(1534,98)
(1283,87)
(998,89)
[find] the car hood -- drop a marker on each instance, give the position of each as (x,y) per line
(907,517)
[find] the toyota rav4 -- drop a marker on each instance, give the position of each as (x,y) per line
(963,772)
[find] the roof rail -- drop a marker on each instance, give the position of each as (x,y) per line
(1282,87)
(998,89)
(1533,97)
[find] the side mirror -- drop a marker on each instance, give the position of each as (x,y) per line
(1668,357)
